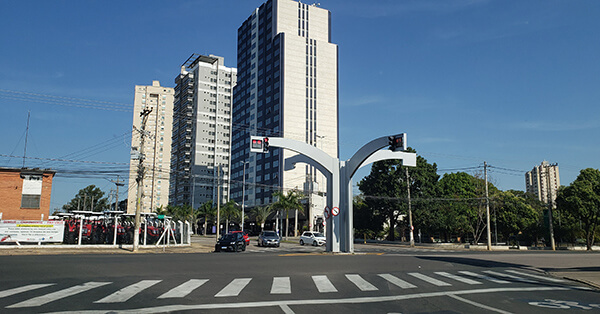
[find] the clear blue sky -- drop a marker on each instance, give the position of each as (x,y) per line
(512,83)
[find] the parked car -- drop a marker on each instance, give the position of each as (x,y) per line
(246,237)
(312,237)
(231,242)
(268,238)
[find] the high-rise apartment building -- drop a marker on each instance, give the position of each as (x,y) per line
(201,131)
(157,146)
(543,181)
(287,87)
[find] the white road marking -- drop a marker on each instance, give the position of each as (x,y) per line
(183,289)
(430,280)
(323,284)
(286,309)
(536,276)
(479,305)
(128,292)
(234,288)
(9,292)
(362,284)
(281,285)
(50,297)
(458,278)
(480,276)
(491,272)
(397,281)
(283,304)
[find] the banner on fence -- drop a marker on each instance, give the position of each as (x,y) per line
(31,231)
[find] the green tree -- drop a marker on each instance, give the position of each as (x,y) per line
(89,198)
(261,214)
(367,222)
(518,215)
(231,212)
(207,211)
(286,203)
(581,200)
(385,189)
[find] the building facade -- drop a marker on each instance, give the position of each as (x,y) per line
(157,146)
(543,181)
(202,131)
(287,87)
(25,193)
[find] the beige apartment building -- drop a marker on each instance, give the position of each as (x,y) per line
(543,181)
(157,146)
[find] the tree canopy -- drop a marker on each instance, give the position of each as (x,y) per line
(89,198)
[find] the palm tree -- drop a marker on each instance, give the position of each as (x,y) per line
(261,213)
(207,210)
(231,212)
(287,202)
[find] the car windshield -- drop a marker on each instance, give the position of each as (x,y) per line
(229,237)
(318,234)
(270,234)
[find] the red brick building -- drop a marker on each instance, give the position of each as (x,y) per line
(25,193)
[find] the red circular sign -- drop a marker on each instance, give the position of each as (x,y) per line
(335,211)
(326,212)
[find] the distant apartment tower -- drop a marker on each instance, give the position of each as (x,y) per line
(287,87)
(543,181)
(157,146)
(201,131)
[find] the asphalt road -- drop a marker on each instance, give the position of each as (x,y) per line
(291,279)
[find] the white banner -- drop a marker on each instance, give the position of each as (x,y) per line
(31,231)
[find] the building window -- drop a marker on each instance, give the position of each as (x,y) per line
(30,201)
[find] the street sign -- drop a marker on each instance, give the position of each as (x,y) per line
(335,211)
(326,212)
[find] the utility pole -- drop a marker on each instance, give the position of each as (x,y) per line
(140,180)
(412,237)
(118,183)
(218,201)
(550,207)
(487,209)
(26,136)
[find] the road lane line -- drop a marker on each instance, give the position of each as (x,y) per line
(430,280)
(281,285)
(183,289)
(50,297)
(128,292)
(479,305)
(397,281)
(491,272)
(362,284)
(480,276)
(323,284)
(536,276)
(13,291)
(234,288)
(458,278)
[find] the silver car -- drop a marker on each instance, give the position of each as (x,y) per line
(268,238)
(312,237)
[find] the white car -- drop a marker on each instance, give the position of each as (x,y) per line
(312,237)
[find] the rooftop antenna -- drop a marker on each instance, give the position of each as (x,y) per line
(26,135)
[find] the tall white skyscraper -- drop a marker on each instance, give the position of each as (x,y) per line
(287,87)
(543,181)
(157,146)
(201,131)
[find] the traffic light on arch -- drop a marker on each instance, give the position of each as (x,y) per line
(266,144)
(397,142)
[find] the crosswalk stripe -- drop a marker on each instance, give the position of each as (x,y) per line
(128,292)
(430,280)
(9,292)
(234,288)
(323,284)
(183,289)
(47,298)
(535,276)
(480,276)
(397,281)
(281,285)
(362,284)
(491,272)
(458,278)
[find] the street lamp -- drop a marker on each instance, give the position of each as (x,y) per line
(244,163)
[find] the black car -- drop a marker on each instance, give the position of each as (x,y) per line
(231,242)
(268,238)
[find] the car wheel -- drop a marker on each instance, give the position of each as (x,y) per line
(244,248)
(315,243)
(258,243)
(301,242)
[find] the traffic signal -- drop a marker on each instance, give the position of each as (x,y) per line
(266,144)
(257,144)
(397,142)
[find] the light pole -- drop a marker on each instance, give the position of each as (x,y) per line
(243,192)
